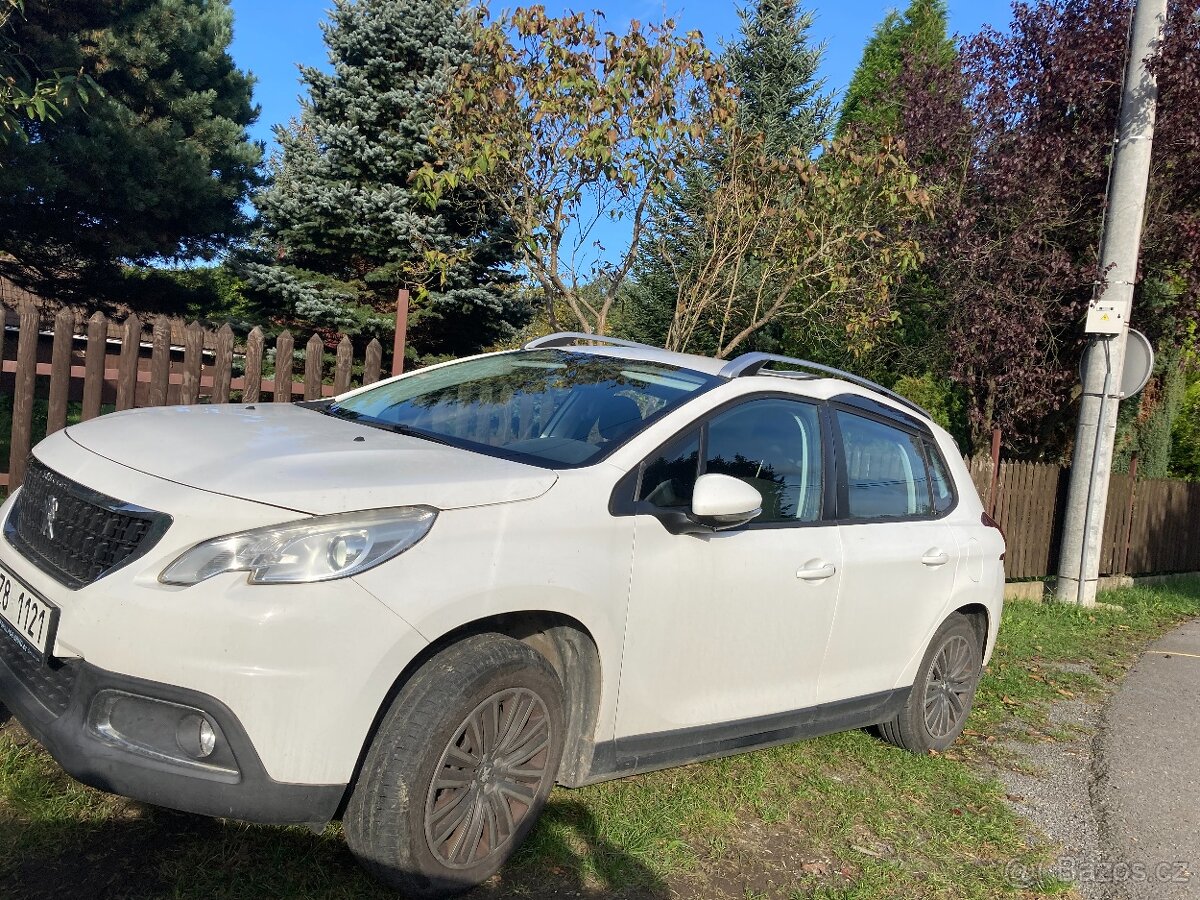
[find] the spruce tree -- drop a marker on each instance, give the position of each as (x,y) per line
(156,166)
(774,66)
(919,33)
(341,229)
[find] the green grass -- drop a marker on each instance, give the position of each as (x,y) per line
(840,817)
(1023,679)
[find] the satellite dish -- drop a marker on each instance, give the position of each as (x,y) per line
(1139,363)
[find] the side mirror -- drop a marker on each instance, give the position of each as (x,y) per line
(721,501)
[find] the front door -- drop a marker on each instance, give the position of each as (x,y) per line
(731,627)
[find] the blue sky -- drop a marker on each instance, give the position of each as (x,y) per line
(272,36)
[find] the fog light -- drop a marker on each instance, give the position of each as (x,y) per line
(196,737)
(163,731)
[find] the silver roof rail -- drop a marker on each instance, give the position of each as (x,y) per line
(754,363)
(567,338)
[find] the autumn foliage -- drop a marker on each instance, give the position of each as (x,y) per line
(1014,139)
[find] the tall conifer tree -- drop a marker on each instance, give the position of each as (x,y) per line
(919,33)
(773,64)
(157,165)
(341,228)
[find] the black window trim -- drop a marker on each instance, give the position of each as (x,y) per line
(882,412)
(623,500)
(930,446)
(924,439)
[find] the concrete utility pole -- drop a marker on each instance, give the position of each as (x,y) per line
(1108,317)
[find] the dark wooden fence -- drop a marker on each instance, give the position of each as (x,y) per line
(1165,528)
(99,365)
(1152,525)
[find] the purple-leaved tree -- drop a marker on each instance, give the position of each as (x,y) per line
(1013,137)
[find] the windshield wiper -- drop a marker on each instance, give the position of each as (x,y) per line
(407,430)
(340,412)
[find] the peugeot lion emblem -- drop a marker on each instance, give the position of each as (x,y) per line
(49,514)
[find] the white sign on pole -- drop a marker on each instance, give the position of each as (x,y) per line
(1138,367)
(1139,363)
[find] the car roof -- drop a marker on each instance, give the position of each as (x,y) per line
(823,385)
(703,364)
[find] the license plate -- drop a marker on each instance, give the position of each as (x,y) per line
(25,616)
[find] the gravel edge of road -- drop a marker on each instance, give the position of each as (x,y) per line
(1053,790)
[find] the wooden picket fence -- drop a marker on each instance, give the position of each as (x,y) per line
(1151,527)
(99,363)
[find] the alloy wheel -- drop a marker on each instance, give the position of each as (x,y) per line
(488,778)
(948,688)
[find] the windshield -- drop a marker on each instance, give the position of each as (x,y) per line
(554,407)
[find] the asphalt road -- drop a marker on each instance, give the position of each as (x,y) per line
(1147,795)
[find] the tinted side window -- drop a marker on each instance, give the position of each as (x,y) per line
(885,470)
(775,447)
(943,487)
(670,475)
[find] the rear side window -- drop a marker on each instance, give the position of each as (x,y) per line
(943,487)
(886,475)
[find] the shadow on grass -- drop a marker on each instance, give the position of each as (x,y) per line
(133,851)
(568,852)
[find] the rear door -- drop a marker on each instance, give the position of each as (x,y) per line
(899,556)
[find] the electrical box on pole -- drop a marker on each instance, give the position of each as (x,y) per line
(1106,316)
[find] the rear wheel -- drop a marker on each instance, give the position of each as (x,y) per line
(460,769)
(944,690)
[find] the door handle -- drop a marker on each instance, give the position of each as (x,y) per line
(935,557)
(817,570)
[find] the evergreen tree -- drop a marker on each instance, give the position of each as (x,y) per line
(919,33)
(31,96)
(909,70)
(774,67)
(156,166)
(341,228)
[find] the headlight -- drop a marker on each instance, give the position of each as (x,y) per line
(316,549)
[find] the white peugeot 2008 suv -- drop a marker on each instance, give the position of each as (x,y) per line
(420,605)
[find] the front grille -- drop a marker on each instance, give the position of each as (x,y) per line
(74,534)
(50,684)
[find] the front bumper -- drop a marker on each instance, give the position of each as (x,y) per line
(53,704)
(303,669)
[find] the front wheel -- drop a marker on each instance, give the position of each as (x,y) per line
(944,690)
(460,768)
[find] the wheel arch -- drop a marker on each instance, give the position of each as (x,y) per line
(569,647)
(980,618)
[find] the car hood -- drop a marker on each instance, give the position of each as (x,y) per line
(301,459)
